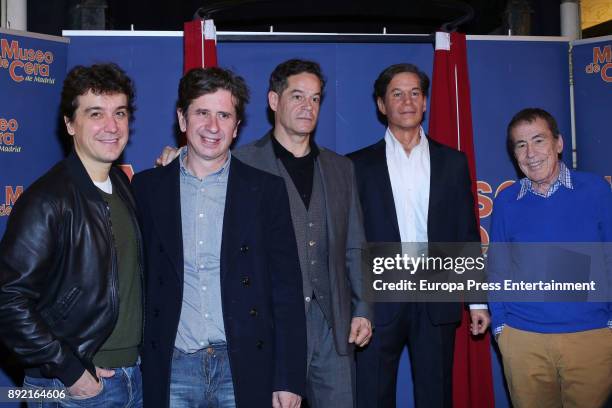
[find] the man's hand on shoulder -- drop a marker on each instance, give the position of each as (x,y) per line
(87,386)
(285,399)
(167,155)
(361,331)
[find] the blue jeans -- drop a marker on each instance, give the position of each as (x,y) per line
(122,390)
(202,379)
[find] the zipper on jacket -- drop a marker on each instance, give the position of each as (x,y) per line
(128,200)
(114,274)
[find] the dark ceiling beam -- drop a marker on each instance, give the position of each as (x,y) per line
(341,16)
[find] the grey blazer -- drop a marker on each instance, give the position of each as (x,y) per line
(344,231)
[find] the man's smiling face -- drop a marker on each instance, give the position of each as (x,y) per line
(536,150)
(210,125)
(404,102)
(99,127)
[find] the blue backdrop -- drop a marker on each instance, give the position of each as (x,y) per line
(28,141)
(506,76)
(592,69)
(32,69)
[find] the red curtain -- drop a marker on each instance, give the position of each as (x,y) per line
(450,123)
(199,44)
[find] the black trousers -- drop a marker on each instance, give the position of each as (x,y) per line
(431,357)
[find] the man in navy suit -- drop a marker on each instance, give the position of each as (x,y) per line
(225,322)
(412,189)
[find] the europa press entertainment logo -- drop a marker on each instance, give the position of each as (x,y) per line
(8,130)
(26,64)
(602,63)
(11,194)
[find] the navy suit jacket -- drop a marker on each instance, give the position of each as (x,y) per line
(261,284)
(450,218)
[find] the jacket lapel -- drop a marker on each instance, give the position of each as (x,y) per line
(241,206)
(380,171)
(329,181)
(334,204)
(436,187)
(167,215)
(264,156)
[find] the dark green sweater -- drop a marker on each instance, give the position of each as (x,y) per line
(121,348)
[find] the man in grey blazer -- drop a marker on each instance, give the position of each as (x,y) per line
(328,225)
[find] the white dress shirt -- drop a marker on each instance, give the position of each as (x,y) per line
(410,175)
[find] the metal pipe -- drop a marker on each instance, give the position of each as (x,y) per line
(17,14)
(572,108)
(570,19)
(3,13)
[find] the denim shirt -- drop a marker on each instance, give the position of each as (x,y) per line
(202,209)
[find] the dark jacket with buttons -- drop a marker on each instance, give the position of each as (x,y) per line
(58,272)
(261,284)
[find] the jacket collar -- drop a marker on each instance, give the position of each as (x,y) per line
(81,178)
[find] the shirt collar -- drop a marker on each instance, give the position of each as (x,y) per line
(396,146)
(282,153)
(219,175)
(564,179)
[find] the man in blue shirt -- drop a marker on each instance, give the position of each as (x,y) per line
(225,323)
(554,354)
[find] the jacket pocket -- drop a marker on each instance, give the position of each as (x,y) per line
(61,309)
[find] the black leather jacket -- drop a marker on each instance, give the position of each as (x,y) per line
(58,272)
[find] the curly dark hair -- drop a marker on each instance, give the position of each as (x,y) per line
(278,77)
(202,81)
(107,78)
(385,77)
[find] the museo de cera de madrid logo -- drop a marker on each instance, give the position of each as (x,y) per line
(11,194)
(602,63)
(8,131)
(26,64)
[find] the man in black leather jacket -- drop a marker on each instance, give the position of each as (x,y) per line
(70,259)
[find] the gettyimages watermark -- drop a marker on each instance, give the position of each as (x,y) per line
(506,272)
